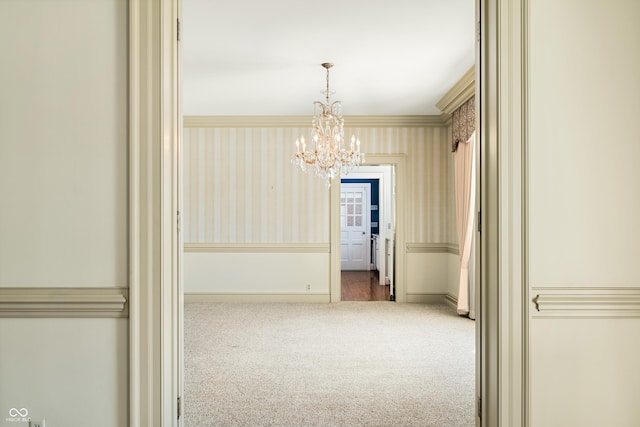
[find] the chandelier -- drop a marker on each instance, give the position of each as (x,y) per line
(326,154)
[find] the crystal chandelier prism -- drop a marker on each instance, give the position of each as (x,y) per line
(326,154)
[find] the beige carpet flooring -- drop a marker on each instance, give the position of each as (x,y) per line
(345,364)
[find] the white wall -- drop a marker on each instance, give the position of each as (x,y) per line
(71,372)
(63,152)
(305,276)
(453,275)
(583,210)
(63,186)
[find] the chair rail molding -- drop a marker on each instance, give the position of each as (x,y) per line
(64,302)
(251,248)
(423,248)
(586,302)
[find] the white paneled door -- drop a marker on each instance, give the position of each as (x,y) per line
(355,230)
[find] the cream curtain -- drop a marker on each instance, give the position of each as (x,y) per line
(465,185)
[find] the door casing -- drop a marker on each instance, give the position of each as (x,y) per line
(366,223)
(399,163)
(154,385)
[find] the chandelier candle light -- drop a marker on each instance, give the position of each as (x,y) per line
(327,155)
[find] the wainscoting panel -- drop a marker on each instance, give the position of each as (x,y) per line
(72,372)
(243,271)
(453,275)
(427,273)
(584,372)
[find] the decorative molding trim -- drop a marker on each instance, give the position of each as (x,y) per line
(586,302)
(400,271)
(413,248)
(426,298)
(393,121)
(64,302)
(305,121)
(460,93)
(155,338)
(251,248)
(196,297)
(451,301)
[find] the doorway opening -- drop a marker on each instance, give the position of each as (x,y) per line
(388,170)
(367,234)
(400,273)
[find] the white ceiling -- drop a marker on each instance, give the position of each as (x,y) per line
(262,57)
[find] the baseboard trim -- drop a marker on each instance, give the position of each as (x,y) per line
(64,302)
(451,301)
(194,297)
(426,298)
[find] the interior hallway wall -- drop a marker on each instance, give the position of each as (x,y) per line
(582,210)
(63,225)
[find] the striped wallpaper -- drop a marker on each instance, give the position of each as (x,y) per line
(240,187)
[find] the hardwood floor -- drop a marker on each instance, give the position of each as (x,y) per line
(363,286)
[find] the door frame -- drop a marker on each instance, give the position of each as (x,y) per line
(155,249)
(384,217)
(363,173)
(335,282)
(504,390)
(367,224)
(154,140)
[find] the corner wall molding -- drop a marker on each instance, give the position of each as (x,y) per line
(305,121)
(460,93)
(251,248)
(426,248)
(586,302)
(451,301)
(64,302)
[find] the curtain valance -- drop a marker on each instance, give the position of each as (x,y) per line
(463,123)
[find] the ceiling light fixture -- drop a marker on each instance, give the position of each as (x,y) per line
(326,154)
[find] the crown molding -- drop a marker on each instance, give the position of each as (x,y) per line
(460,93)
(446,119)
(305,121)
(64,302)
